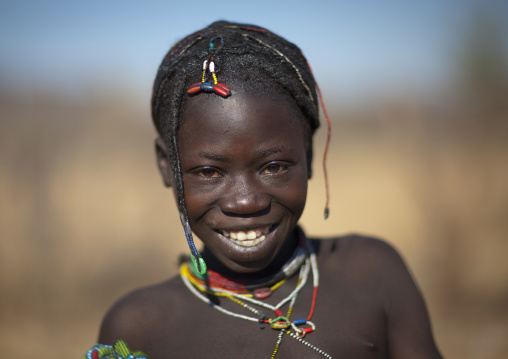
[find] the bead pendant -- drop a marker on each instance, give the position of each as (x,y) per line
(262,293)
(218,88)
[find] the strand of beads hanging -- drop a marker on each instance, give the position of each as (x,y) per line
(277,344)
(198,262)
(209,65)
(313,347)
(281,334)
(309,92)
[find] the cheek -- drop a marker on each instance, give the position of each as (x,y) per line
(199,198)
(294,194)
(301,196)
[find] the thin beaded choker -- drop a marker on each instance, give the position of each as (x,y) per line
(280,322)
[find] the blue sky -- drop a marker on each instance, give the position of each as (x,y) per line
(354,47)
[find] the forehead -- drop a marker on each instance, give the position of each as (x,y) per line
(257,120)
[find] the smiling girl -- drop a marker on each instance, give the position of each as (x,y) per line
(235,107)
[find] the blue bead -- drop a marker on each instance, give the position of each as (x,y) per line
(206,86)
(299,321)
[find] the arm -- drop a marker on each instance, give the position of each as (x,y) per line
(408,324)
(123,321)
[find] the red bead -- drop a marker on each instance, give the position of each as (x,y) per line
(224,87)
(262,293)
(220,91)
(279,312)
(95,354)
(195,88)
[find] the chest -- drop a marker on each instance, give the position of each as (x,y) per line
(349,324)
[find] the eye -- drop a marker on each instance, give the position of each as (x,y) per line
(274,168)
(208,172)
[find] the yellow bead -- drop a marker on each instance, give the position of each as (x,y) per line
(283,325)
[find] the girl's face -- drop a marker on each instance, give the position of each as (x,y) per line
(244,168)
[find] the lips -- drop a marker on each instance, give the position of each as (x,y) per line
(247,238)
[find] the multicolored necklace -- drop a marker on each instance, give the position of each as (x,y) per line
(198,287)
(259,288)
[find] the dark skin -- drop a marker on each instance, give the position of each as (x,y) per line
(244,164)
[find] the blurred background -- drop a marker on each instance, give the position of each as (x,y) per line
(418,96)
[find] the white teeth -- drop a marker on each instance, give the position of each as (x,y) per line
(249,238)
(250,243)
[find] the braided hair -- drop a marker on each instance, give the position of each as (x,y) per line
(266,55)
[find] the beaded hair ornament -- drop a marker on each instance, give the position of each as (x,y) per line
(209,65)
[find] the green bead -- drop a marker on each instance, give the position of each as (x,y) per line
(199,264)
(121,348)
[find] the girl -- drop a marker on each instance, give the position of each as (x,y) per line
(235,107)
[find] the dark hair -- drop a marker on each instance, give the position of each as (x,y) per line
(265,55)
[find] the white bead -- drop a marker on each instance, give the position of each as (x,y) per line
(204,64)
(212,67)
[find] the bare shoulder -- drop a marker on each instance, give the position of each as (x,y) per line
(369,263)
(137,316)
(364,253)
(373,266)
(365,265)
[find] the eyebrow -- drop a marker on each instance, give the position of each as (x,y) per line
(212,156)
(271,151)
(260,154)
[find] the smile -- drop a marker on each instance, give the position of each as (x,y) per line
(247,238)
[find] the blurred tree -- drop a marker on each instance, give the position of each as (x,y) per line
(483,65)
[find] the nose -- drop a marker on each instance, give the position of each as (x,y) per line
(245,197)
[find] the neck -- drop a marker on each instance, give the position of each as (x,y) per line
(282,257)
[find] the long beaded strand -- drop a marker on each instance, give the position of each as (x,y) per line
(277,344)
(328,133)
(281,334)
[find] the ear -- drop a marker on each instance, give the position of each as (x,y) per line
(162,153)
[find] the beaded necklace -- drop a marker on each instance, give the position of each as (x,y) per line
(260,288)
(281,322)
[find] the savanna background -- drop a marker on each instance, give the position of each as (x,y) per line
(418,97)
